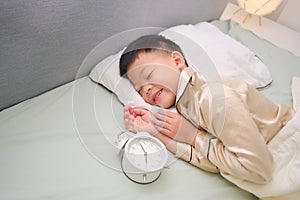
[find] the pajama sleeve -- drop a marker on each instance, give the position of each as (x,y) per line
(189,154)
(238,149)
(239,122)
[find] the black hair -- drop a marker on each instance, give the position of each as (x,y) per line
(147,44)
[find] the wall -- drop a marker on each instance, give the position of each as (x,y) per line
(290,15)
(286,14)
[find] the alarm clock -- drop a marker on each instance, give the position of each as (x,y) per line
(143,157)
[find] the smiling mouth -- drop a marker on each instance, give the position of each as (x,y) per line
(156,96)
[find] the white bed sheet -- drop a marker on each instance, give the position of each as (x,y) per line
(60,145)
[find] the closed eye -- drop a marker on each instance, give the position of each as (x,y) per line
(149,75)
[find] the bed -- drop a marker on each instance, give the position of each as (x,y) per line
(61,144)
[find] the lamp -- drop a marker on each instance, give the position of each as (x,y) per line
(257,7)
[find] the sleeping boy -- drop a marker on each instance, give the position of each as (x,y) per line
(224,124)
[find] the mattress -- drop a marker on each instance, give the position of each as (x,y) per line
(61,144)
(56,147)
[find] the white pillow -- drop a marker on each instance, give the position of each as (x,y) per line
(230,57)
(107,74)
(204,46)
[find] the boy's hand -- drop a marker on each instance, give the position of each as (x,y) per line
(139,119)
(167,126)
(175,126)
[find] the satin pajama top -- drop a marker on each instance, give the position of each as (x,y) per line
(239,122)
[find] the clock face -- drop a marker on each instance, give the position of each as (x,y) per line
(146,154)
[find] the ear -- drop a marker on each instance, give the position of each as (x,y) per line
(179,60)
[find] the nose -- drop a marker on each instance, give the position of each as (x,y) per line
(146,89)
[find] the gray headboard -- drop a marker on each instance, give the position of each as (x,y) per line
(43,43)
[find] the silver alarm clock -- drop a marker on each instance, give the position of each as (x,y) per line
(143,157)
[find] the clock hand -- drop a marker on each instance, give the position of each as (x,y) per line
(145,153)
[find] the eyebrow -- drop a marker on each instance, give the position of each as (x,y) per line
(142,71)
(149,75)
(146,66)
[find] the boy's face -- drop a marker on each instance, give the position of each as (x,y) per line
(155,76)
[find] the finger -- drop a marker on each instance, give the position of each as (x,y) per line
(163,128)
(165,132)
(126,120)
(131,117)
(167,113)
(139,111)
(126,113)
(127,108)
(164,118)
(132,111)
(158,123)
(127,123)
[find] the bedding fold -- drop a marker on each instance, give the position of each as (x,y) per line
(285,149)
